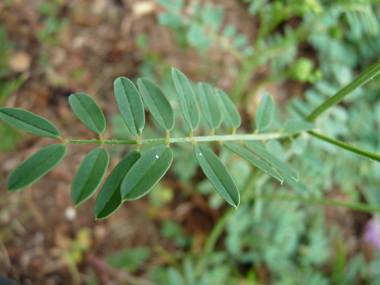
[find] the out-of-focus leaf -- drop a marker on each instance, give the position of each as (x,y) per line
(299,126)
(264,113)
(210,105)
(130,105)
(88,111)
(187,99)
(229,110)
(157,104)
(146,173)
(29,122)
(218,175)
(256,161)
(298,145)
(130,258)
(258,149)
(36,166)
(275,148)
(89,175)
(109,197)
(175,277)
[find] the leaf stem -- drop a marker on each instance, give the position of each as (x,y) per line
(354,149)
(239,137)
(359,81)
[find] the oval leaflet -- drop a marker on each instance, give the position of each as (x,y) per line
(29,122)
(109,197)
(36,166)
(88,111)
(89,175)
(130,105)
(218,175)
(146,173)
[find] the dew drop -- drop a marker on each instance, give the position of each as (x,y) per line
(200,153)
(157,156)
(93,139)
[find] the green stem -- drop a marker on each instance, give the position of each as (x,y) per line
(244,137)
(353,206)
(359,81)
(354,149)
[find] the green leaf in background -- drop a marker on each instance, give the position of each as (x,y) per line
(230,112)
(157,104)
(89,175)
(146,173)
(299,126)
(264,113)
(218,175)
(175,277)
(210,105)
(276,149)
(29,122)
(299,145)
(36,166)
(259,149)
(256,161)
(109,197)
(187,99)
(88,111)
(129,258)
(130,105)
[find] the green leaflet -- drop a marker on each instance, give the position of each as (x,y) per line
(230,112)
(29,122)
(187,99)
(210,105)
(264,113)
(88,111)
(89,175)
(259,149)
(256,161)
(146,173)
(218,175)
(36,166)
(130,105)
(129,258)
(275,148)
(109,197)
(157,104)
(299,126)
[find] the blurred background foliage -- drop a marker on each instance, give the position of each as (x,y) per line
(301,51)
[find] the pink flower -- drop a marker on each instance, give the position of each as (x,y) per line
(372,233)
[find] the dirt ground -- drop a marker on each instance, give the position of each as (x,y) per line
(38,225)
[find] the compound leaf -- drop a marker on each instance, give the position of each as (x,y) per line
(130,105)
(29,122)
(109,197)
(259,149)
(299,126)
(264,113)
(89,175)
(36,166)
(187,99)
(88,111)
(218,175)
(146,173)
(230,112)
(210,105)
(256,161)
(157,104)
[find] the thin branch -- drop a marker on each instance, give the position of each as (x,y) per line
(120,275)
(238,137)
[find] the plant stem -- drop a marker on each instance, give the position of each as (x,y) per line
(238,137)
(353,206)
(359,81)
(348,147)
